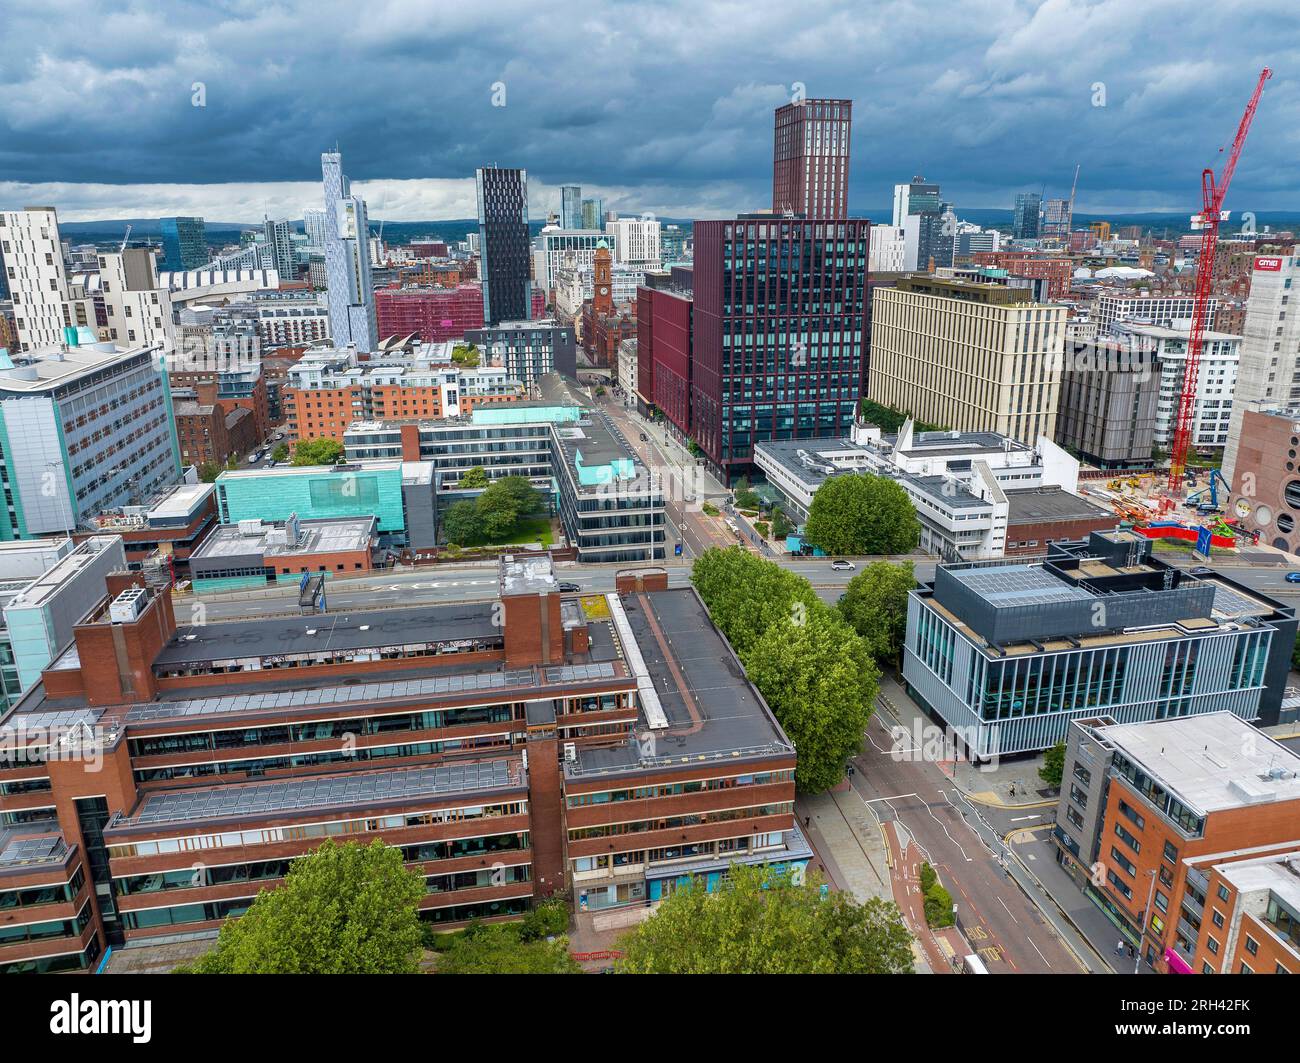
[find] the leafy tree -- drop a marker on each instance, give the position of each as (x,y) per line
(501,948)
(781,526)
(875,606)
(522,494)
(460,523)
(928,877)
(280,453)
(746,594)
(322,451)
(859,513)
(343,909)
(745,496)
(768,922)
(497,513)
(549,918)
(820,681)
(1053,765)
(938,906)
(474,478)
(465,354)
(209,471)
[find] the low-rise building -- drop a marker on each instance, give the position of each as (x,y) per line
(1183,831)
(1007,654)
(528,350)
(257,553)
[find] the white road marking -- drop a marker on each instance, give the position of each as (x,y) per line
(1008,911)
(1021,819)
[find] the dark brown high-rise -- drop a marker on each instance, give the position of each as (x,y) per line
(810,158)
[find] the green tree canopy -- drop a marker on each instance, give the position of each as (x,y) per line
(768,922)
(474,478)
(875,606)
(745,593)
(209,471)
(859,513)
(322,451)
(460,523)
(820,681)
(525,497)
(280,453)
(343,909)
(1053,765)
(498,949)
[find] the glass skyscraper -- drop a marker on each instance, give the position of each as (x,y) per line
(570,206)
(1024,222)
(350,293)
(185,244)
(505,245)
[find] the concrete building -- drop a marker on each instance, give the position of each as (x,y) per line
(1162,310)
(137,305)
(1109,405)
(257,553)
(634,242)
(574,287)
(810,158)
(498,731)
(1008,654)
(46,303)
(566,249)
(1183,832)
(977,495)
(1269,373)
(82,430)
(528,350)
(434,314)
(1265,494)
(888,252)
(347,260)
(972,357)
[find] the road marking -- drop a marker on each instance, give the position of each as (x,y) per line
(1008,911)
(896,797)
(1021,819)
(1038,950)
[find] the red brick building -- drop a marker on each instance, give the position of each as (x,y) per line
(436,314)
(1058,272)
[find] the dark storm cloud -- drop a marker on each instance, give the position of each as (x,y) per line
(669,103)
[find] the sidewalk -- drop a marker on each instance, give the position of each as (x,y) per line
(987,784)
(847,838)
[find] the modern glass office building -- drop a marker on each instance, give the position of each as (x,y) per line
(1008,654)
(314,491)
(185,244)
(505,245)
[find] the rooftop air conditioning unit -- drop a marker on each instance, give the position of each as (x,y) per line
(570,752)
(127,606)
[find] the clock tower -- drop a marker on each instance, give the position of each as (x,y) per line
(602,297)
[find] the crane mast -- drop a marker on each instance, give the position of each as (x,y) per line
(1212,196)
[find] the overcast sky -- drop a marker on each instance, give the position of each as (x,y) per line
(658,106)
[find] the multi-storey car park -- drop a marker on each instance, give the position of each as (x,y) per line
(158,776)
(1008,654)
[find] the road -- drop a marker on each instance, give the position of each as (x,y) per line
(1001,923)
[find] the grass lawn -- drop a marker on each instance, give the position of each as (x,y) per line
(527,530)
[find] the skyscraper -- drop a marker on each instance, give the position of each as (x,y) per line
(351,295)
(313,224)
(279,237)
(810,158)
(777,353)
(593,213)
(571,207)
(1056,219)
(928,224)
(505,246)
(185,244)
(1024,221)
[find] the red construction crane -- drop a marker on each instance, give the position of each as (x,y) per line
(1212,195)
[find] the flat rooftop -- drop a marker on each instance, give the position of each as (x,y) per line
(48,368)
(46,587)
(1278,875)
(289,796)
(1031,505)
(1212,762)
(1014,585)
(326,535)
(717,714)
(181,501)
(23,847)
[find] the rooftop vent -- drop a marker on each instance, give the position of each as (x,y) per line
(127,606)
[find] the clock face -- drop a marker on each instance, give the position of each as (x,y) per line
(604,290)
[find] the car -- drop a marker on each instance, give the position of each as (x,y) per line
(843,565)
(1293,577)
(570,588)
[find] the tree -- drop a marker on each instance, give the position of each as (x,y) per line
(465,354)
(343,909)
(767,922)
(499,949)
(859,513)
(746,498)
(820,681)
(875,606)
(460,523)
(474,478)
(746,594)
(938,907)
(522,494)
(781,526)
(280,453)
(1053,765)
(322,451)
(209,471)
(497,513)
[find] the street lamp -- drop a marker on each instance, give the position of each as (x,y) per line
(1142,930)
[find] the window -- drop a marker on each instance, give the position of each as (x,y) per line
(1212,945)
(1171,853)
(1216,917)
(1245,968)
(1252,946)
(1123,861)
(1223,892)
(1128,810)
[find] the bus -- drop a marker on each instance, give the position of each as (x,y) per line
(972,964)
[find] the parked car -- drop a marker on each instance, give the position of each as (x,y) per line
(1293,577)
(843,565)
(570,588)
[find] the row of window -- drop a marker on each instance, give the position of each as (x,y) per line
(609,830)
(692,786)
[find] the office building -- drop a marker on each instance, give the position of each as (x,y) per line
(928,223)
(497,730)
(1025,216)
(673,241)
(82,430)
(257,553)
(778,353)
(634,242)
(347,260)
(1110,398)
(528,350)
(185,244)
(967,356)
(665,354)
(977,495)
(574,287)
(570,206)
(561,249)
(1162,310)
(165,528)
(1057,217)
(45,588)
(1008,654)
(593,213)
(1268,376)
(504,244)
(810,158)
(1182,831)
(210,433)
